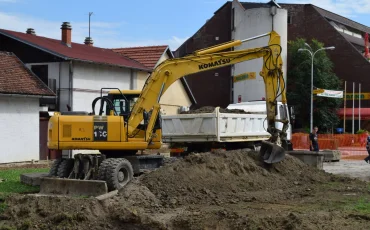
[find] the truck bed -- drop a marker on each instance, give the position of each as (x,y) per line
(216,126)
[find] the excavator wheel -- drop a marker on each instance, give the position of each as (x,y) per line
(271,153)
(53,172)
(65,168)
(118,172)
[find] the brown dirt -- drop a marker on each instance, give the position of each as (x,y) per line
(210,109)
(219,190)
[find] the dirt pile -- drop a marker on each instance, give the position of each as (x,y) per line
(219,190)
(211,109)
(228,177)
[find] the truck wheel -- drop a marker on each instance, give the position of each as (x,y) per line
(65,168)
(118,173)
(54,168)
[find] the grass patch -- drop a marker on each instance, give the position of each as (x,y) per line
(362,206)
(11,181)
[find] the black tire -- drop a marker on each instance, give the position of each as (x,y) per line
(65,168)
(118,173)
(53,172)
(103,168)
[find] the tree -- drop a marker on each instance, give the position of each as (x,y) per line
(299,88)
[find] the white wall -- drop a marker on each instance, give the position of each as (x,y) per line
(88,79)
(19,136)
(250,23)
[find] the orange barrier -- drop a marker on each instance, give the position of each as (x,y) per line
(330,141)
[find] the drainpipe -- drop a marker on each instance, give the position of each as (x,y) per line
(71,84)
(273,11)
(60,71)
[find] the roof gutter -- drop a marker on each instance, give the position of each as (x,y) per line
(26,95)
(101,63)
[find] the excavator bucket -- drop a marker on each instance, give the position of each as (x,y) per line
(271,152)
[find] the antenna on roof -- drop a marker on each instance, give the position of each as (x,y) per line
(90,13)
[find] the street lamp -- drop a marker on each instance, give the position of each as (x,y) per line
(312,57)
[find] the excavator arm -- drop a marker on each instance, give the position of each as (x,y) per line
(165,74)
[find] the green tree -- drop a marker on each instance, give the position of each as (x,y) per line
(299,85)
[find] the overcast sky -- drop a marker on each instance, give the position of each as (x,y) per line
(122,23)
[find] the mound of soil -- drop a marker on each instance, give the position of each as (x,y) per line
(211,109)
(219,190)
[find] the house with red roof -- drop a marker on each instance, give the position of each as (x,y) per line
(20,94)
(76,72)
(178,94)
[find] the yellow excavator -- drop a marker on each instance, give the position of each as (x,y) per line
(131,121)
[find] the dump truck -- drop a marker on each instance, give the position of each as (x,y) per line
(240,125)
(127,123)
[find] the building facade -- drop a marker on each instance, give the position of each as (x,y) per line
(20,94)
(302,21)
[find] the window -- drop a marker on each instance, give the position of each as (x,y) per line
(289,19)
(120,105)
(233,19)
(42,72)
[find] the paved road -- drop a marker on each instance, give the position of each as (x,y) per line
(352,168)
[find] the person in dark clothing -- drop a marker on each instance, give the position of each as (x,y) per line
(367,147)
(314,144)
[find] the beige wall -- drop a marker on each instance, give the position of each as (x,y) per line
(174,97)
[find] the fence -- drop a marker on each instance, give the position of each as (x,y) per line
(350,145)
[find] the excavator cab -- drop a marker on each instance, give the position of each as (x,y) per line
(123,101)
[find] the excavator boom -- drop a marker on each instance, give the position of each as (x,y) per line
(207,59)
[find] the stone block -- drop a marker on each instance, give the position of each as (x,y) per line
(314,159)
(32,178)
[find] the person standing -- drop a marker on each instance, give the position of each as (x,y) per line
(367,147)
(314,144)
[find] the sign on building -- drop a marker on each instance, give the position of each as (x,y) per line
(245,76)
(361,96)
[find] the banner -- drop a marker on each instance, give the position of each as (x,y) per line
(245,76)
(331,93)
(361,96)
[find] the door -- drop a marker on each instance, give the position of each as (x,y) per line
(44,151)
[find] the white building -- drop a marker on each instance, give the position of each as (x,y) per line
(20,91)
(248,23)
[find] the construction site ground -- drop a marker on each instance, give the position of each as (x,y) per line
(219,190)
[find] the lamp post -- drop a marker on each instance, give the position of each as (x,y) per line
(312,57)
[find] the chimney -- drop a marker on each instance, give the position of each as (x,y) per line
(30,31)
(66,34)
(89,41)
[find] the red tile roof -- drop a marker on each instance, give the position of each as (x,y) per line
(15,78)
(78,51)
(146,55)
